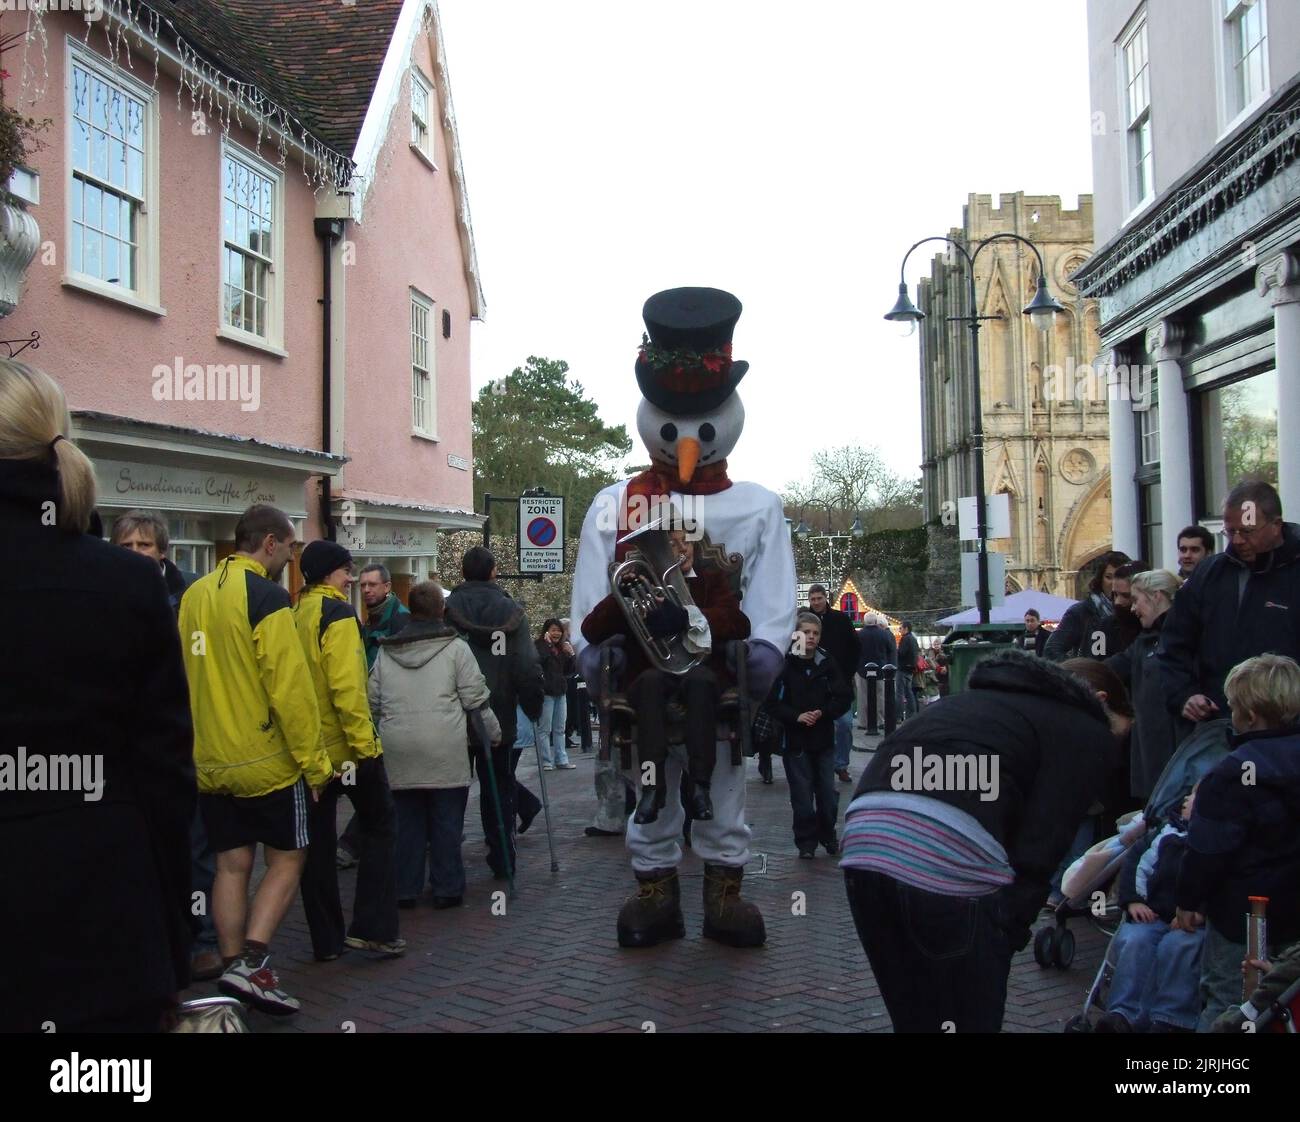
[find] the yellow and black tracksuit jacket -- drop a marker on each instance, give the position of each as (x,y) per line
(331,639)
(256,723)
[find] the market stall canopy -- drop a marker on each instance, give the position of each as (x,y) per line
(1012,610)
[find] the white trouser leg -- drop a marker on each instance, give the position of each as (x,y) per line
(724,840)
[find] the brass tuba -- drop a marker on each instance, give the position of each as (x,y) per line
(649,575)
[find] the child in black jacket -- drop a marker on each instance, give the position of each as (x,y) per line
(806,698)
(1156,985)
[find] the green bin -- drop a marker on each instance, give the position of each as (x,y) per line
(967,643)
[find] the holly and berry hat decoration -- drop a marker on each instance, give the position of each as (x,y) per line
(685,366)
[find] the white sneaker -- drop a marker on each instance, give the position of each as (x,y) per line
(566,766)
(257,983)
(548,767)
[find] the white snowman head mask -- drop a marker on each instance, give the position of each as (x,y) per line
(690,442)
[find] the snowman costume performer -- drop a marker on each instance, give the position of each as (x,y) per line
(689,419)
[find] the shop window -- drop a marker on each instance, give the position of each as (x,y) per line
(1149,428)
(1238,434)
(1152,550)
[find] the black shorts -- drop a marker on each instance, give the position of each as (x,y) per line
(278,819)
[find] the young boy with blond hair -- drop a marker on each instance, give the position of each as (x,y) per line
(1244,834)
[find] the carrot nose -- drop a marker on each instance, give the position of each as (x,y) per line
(688,455)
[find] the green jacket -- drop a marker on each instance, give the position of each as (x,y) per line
(389,620)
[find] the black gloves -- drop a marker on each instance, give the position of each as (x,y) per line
(666,619)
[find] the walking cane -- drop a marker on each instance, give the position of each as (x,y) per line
(480,727)
(546,801)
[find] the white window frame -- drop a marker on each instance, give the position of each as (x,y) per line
(1132,127)
(273,340)
(423,144)
(1234,108)
(1149,434)
(426,426)
(146,294)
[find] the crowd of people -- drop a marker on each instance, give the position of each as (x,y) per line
(228,716)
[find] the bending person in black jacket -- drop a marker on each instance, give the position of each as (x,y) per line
(496,629)
(959,821)
(807,698)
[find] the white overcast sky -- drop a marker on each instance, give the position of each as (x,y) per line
(787,154)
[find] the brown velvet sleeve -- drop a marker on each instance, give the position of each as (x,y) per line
(604,621)
(713,596)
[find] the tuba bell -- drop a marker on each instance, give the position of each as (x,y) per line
(648,576)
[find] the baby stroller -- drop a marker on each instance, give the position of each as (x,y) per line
(1204,748)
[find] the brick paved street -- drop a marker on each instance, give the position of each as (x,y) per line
(551,962)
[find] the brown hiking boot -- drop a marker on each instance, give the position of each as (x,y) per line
(654,914)
(728,918)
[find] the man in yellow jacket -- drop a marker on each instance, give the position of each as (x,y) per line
(257,745)
(331,639)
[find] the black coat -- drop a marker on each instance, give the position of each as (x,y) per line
(1242,839)
(1155,737)
(840,641)
(556,667)
(804,685)
(909,650)
(1225,614)
(876,644)
(1035,643)
(1083,630)
(95,893)
(1053,751)
(496,629)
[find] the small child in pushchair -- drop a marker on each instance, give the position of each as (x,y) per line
(1155,985)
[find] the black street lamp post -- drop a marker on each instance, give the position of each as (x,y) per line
(1041,311)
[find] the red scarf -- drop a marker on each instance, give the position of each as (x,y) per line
(653,487)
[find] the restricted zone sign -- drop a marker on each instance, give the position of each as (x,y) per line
(541,535)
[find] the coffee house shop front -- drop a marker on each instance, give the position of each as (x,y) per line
(199,482)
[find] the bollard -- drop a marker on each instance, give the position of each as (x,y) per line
(871,675)
(888,673)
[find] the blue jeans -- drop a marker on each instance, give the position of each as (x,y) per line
(431,821)
(813,797)
(551,730)
(524,737)
(1157,975)
(843,739)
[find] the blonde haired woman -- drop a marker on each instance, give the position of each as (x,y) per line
(1155,735)
(96,877)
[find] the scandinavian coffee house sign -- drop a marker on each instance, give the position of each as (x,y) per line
(173,488)
(385,539)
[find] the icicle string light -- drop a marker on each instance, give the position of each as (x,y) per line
(212,93)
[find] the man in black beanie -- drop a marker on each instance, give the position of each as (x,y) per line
(331,640)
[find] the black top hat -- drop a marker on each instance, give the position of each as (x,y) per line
(685,364)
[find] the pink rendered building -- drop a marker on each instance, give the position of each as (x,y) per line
(254,274)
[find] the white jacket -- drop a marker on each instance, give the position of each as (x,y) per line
(423,682)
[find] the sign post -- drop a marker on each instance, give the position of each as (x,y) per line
(541,534)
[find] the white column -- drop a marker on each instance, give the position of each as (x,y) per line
(1164,343)
(1279,280)
(1124,534)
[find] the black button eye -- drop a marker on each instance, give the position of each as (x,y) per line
(707,432)
(669,431)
